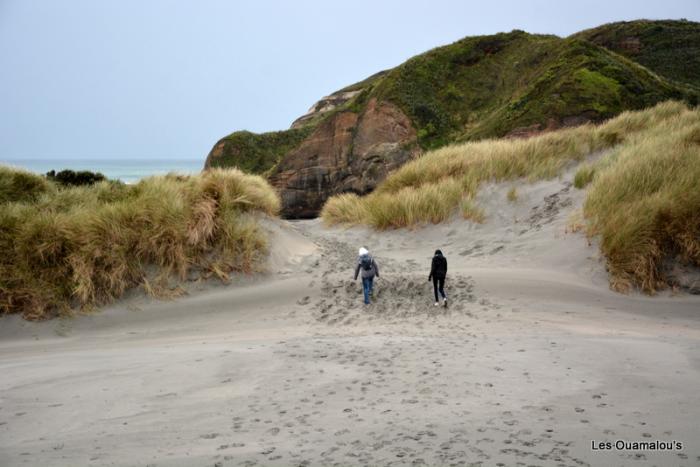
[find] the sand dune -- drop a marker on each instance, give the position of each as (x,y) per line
(533,359)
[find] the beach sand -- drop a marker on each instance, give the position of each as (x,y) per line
(532,361)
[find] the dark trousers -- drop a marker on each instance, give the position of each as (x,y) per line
(438,285)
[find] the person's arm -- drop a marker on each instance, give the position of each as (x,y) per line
(432,269)
(376,268)
(357,270)
(445,265)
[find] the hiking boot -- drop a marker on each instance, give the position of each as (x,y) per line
(444,301)
(437,303)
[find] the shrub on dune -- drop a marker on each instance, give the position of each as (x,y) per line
(76,247)
(71,177)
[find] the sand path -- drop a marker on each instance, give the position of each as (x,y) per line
(533,359)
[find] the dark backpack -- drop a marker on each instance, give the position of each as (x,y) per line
(366,262)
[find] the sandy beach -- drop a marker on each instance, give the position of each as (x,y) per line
(533,361)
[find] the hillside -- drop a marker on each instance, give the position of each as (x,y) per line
(507,84)
(668,48)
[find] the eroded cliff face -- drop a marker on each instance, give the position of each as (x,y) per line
(325,105)
(345,153)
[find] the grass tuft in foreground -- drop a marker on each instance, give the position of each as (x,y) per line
(76,247)
(643,201)
(584,176)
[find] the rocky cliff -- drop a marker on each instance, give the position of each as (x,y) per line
(347,152)
(508,84)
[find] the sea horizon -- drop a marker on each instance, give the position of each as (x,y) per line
(127,170)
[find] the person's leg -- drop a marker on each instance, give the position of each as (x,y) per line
(441,283)
(365,289)
(435,288)
(371,286)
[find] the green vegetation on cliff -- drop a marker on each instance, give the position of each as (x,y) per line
(668,48)
(79,246)
(255,153)
(481,87)
(519,83)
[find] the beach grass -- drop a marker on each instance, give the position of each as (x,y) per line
(20,185)
(643,198)
(643,202)
(68,248)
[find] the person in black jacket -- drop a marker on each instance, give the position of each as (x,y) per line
(438,272)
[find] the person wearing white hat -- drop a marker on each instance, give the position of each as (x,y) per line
(369,268)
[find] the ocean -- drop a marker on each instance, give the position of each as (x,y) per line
(126,170)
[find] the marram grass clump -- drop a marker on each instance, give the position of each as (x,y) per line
(20,185)
(584,176)
(68,248)
(643,201)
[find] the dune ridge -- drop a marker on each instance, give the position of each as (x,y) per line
(71,248)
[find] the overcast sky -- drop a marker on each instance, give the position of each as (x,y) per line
(166,78)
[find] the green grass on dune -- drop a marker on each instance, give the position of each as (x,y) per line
(643,201)
(19,185)
(76,247)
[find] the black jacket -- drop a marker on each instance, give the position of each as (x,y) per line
(438,268)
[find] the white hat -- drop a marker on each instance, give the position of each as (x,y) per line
(363,251)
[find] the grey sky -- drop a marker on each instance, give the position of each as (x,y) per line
(166,79)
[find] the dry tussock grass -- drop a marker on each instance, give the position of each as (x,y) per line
(68,248)
(644,203)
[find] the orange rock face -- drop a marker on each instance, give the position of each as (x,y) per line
(346,153)
(382,123)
